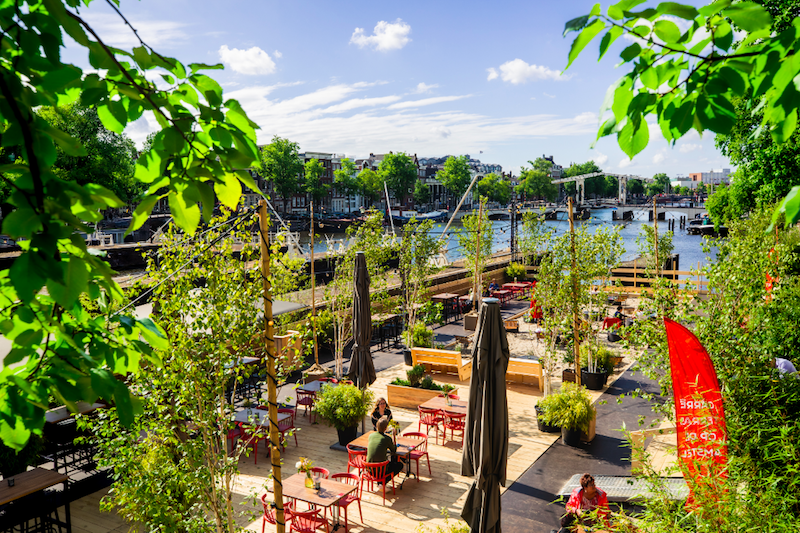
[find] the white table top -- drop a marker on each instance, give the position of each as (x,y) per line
(257,417)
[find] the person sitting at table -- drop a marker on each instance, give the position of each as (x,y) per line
(584,500)
(619,314)
(380,448)
(381,410)
(493,286)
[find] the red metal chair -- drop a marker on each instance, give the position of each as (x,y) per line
(233,434)
(308,521)
(252,439)
(270,513)
(421,450)
(376,473)
(356,457)
(284,426)
(350,479)
(328,380)
(454,422)
(430,418)
(610,322)
(323,472)
(306,399)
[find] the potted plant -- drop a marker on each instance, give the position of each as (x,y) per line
(343,407)
(571,408)
(594,374)
(420,336)
(515,271)
(541,408)
(568,374)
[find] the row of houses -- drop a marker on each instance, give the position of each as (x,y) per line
(337,202)
(713,177)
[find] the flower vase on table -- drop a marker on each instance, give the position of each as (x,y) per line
(309,480)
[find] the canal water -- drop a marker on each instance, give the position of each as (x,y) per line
(690,247)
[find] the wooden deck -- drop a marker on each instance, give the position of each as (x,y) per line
(418,502)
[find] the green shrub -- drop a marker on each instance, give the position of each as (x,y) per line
(422,336)
(415,375)
(570,408)
(343,407)
(516,270)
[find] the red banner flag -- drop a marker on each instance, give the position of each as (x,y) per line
(699,413)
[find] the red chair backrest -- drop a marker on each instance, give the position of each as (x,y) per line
(610,322)
(306,521)
(323,471)
(375,471)
(270,512)
(419,436)
(328,380)
(344,477)
(356,456)
(305,397)
(454,419)
(428,415)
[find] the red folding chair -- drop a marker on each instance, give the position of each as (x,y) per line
(350,479)
(454,422)
(306,399)
(420,451)
(376,473)
(308,521)
(356,457)
(286,425)
(233,434)
(430,418)
(270,513)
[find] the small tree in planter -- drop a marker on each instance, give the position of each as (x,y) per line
(515,271)
(475,240)
(343,407)
(571,409)
(416,268)
(533,236)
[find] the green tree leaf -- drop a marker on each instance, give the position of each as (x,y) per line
(584,38)
(633,137)
(667,31)
(749,16)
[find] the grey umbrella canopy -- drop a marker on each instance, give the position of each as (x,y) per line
(362,369)
(486,433)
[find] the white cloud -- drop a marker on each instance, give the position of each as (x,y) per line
(601,159)
(624,163)
(355,103)
(386,36)
(690,147)
(442,131)
(156,33)
(658,158)
(277,54)
(518,71)
(587,117)
(427,101)
(549,95)
(253,61)
(425,88)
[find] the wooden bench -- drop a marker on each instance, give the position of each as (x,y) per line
(525,371)
(444,361)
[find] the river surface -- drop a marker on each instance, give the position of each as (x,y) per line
(688,246)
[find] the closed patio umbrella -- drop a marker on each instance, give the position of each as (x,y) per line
(486,434)
(362,369)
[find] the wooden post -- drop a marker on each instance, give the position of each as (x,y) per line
(476,282)
(272,391)
(313,291)
(655,233)
(575,323)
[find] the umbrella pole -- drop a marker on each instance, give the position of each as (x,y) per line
(272,393)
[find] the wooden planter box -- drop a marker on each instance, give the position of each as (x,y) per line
(410,397)
(470,321)
(289,345)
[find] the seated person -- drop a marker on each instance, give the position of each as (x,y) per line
(493,286)
(583,500)
(619,314)
(381,410)
(380,448)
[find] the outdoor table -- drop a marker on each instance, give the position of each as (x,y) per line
(502,295)
(390,319)
(257,417)
(60,414)
(448,301)
(458,406)
(32,482)
(405,445)
(328,495)
(516,288)
(465,302)
(316,386)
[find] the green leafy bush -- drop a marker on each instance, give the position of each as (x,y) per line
(343,407)
(516,270)
(421,336)
(415,374)
(570,408)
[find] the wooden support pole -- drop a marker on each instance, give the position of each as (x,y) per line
(272,382)
(575,320)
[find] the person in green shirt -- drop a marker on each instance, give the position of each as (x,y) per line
(380,448)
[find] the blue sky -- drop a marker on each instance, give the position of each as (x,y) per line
(431,78)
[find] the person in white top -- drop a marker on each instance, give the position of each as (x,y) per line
(784,366)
